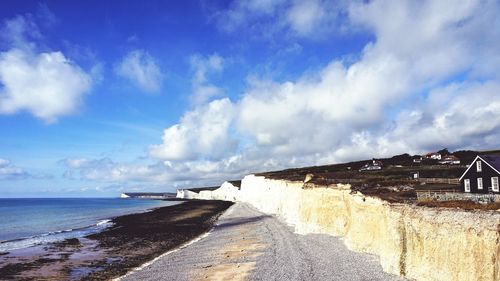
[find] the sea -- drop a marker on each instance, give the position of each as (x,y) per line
(26,222)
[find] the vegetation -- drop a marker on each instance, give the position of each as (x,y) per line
(395,182)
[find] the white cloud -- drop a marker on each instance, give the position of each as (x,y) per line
(203,65)
(158,174)
(142,69)
(301,18)
(343,101)
(20,32)
(201,133)
(456,115)
(305,16)
(427,81)
(9,171)
(76,163)
(203,93)
(203,90)
(106,170)
(240,12)
(46,84)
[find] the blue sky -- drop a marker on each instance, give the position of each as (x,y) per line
(100,97)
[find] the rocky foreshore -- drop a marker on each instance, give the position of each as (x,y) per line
(131,241)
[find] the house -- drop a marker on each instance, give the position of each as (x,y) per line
(372,166)
(417,159)
(450,160)
(482,175)
(433,155)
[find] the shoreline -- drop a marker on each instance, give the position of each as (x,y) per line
(132,240)
(180,247)
(62,226)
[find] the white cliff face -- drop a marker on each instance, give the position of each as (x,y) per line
(123,195)
(416,242)
(187,194)
(226,192)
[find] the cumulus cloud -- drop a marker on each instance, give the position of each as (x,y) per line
(46,84)
(346,104)
(427,81)
(142,69)
(453,115)
(10,172)
(201,133)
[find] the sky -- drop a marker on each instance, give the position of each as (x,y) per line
(101,97)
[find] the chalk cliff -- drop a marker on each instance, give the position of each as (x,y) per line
(416,242)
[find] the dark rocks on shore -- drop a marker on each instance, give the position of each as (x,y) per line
(131,241)
(67,243)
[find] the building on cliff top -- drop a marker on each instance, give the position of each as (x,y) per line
(482,175)
(449,160)
(433,155)
(374,165)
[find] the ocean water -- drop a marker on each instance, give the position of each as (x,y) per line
(26,222)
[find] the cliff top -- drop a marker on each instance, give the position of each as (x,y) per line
(395,181)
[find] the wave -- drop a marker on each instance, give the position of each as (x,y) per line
(53,236)
(103,222)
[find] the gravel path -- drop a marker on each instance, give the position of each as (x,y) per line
(246,244)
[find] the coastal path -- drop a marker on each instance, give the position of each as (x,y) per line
(246,244)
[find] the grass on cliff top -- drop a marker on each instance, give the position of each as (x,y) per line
(396,167)
(394,182)
(348,172)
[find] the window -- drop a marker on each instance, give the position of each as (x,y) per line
(467,185)
(480,183)
(478,166)
(494,184)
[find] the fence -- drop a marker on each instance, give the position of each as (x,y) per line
(439,180)
(451,196)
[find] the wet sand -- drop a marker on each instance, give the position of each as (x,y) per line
(131,241)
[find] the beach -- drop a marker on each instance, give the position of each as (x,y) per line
(131,241)
(247,244)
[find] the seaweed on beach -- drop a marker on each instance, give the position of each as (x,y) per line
(131,241)
(137,238)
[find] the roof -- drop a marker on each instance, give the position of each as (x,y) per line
(491,160)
